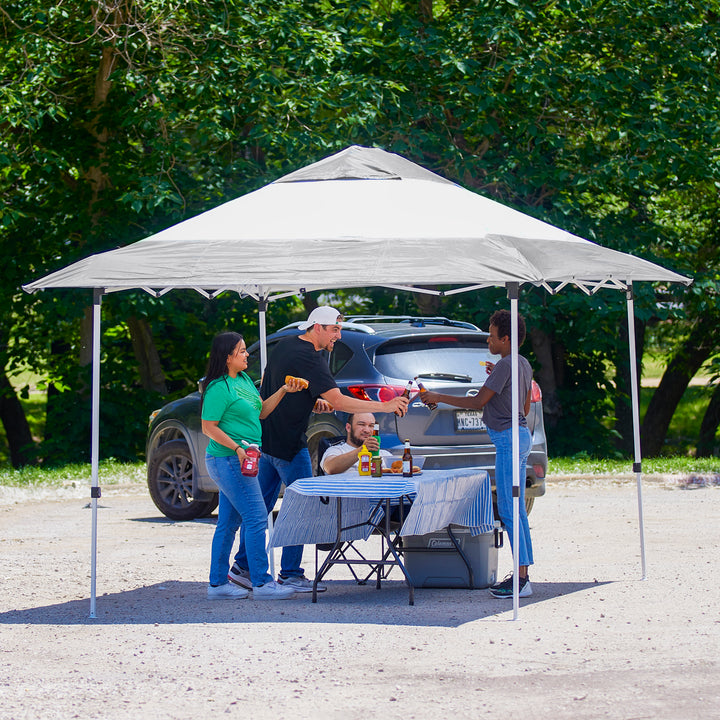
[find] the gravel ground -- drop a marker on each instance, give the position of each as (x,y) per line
(594,640)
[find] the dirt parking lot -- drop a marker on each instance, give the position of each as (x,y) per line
(594,641)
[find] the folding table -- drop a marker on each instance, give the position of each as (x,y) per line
(341,509)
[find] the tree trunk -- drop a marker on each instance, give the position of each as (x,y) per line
(86,338)
(17,430)
(146,354)
(706,445)
(310,302)
(680,370)
(428,305)
(623,401)
(549,376)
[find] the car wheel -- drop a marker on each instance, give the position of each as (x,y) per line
(170,482)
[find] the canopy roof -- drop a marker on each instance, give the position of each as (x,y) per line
(360,218)
(363,217)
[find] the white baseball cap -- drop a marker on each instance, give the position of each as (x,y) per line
(323,315)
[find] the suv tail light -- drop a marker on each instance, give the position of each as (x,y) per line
(383,393)
(535,392)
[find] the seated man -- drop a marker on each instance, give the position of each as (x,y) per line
(341,457)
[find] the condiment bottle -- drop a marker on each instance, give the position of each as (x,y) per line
(422,390)
(363,461)
(407,462)
(249,465)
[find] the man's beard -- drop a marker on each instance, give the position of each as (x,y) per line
(355,440)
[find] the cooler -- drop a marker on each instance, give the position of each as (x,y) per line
(432,561)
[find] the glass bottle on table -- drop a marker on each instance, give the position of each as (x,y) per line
(407,461)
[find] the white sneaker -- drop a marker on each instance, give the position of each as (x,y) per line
(300,584)
(226,591)
(272,591)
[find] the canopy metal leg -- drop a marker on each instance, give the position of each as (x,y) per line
(95,444)
(262,312)
(513,290)
(637,464)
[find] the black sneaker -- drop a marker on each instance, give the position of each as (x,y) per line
(504,589)
(300,584)
(240,577)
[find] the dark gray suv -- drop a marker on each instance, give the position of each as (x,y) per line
(374,359)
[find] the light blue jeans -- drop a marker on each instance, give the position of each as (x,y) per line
(272,473)
(240,505)
(502,441)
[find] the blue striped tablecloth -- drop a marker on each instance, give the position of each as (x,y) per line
(441,497)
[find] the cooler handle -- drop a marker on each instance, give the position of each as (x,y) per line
(498,535)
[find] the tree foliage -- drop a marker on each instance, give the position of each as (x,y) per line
(120,118)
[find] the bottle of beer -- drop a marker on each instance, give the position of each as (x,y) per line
(422,390)
(407,461)
(406,393)
(375,459)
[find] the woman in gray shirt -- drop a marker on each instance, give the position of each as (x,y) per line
(495,399)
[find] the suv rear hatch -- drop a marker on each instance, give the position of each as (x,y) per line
(451,363)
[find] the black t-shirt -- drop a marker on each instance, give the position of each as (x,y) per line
(283,431)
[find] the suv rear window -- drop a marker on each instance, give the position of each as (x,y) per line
(446,357)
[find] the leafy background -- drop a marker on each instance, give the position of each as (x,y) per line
(120,118)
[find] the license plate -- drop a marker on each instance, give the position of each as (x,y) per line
(469,421)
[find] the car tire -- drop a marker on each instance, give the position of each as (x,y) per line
(170,482)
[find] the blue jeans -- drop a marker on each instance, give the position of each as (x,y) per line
(272,473)
(502,441)
(240,505)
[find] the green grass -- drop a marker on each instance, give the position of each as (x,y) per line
(110,472)
(582,465)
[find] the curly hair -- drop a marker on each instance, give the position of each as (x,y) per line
(502,320)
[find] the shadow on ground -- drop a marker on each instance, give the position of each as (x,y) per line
(179,602)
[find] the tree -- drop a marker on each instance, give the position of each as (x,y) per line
(123,118)
(597,117)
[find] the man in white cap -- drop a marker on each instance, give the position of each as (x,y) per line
(285,456)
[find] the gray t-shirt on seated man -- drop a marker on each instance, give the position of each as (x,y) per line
(497,413)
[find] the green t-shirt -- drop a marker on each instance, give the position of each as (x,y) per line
(236,403)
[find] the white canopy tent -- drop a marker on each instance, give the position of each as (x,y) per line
(363,217)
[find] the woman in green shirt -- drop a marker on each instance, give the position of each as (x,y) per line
(231,410)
